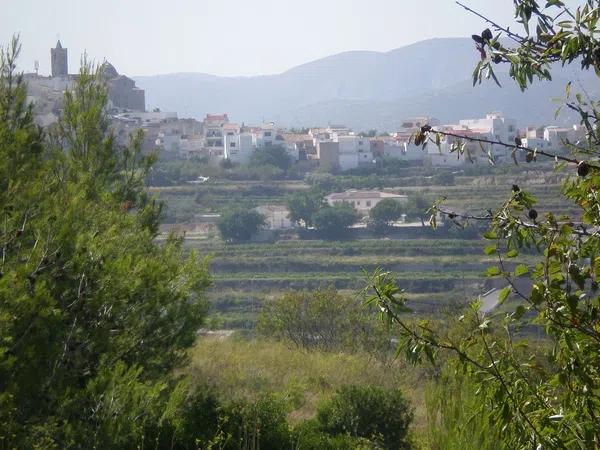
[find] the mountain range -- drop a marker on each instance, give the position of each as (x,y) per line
(368,90)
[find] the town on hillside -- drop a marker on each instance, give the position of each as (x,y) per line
(329,148)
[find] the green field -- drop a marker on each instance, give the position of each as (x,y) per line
(435,273)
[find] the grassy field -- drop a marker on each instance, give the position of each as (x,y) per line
(247,368)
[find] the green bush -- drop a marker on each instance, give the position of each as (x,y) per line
(94,314)
(271,156)
(240,224)
(309,436)
(382,416)
(333,221)
(189,420)
(198,419)
(257,425)
(387,210)
(323,319)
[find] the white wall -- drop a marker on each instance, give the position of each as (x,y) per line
(354,150)
(495,127)
(238,147)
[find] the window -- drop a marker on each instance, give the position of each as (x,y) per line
(368,202)
(267,134)
(232,144)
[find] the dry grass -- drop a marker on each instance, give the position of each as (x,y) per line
(248,368)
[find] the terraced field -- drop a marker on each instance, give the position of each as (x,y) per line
(435,272)
(476,193)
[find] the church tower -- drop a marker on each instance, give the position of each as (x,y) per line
(60,62)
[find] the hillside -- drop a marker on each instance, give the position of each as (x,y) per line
(361,89)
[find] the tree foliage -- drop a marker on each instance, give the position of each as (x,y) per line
(240,224)
(418,207)
(333,221)
(542,393)
(304,205)
(379,415)
(274,155)
(323,319)
(94,315)
(387,210)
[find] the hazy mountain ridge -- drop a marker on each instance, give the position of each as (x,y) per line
(362,89)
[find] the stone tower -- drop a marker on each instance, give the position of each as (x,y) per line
(60,62)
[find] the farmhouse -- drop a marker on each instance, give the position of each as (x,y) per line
(276,217)
(363,201)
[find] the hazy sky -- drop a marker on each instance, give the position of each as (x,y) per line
(229,37)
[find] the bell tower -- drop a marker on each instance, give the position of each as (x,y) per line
(60,62)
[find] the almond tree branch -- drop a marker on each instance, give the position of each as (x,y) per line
(514,36)
(514,146)
(581,230)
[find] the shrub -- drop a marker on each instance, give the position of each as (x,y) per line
(188,420)
(382,416)
(271,156)
(309,436)
(240,224)
(304,205)
(333,221)
(260,424)
(387,210)
(323,319)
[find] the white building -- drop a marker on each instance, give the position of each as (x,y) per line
(213,133)
(265,137)
(473,152)
(557,136)
(540,144)
(404,151)
(276,217)
(147,118)
(353,151)
(494,127)
(238,147)
(363,201)
(411,125)
(193,147)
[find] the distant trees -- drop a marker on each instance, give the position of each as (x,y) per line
(333,221)
(325,182)
(417,207)
(274,155)
(369,134)
(387,210)
(310,208)
(240,224)
(323,319)
(303,206)
(384,213)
